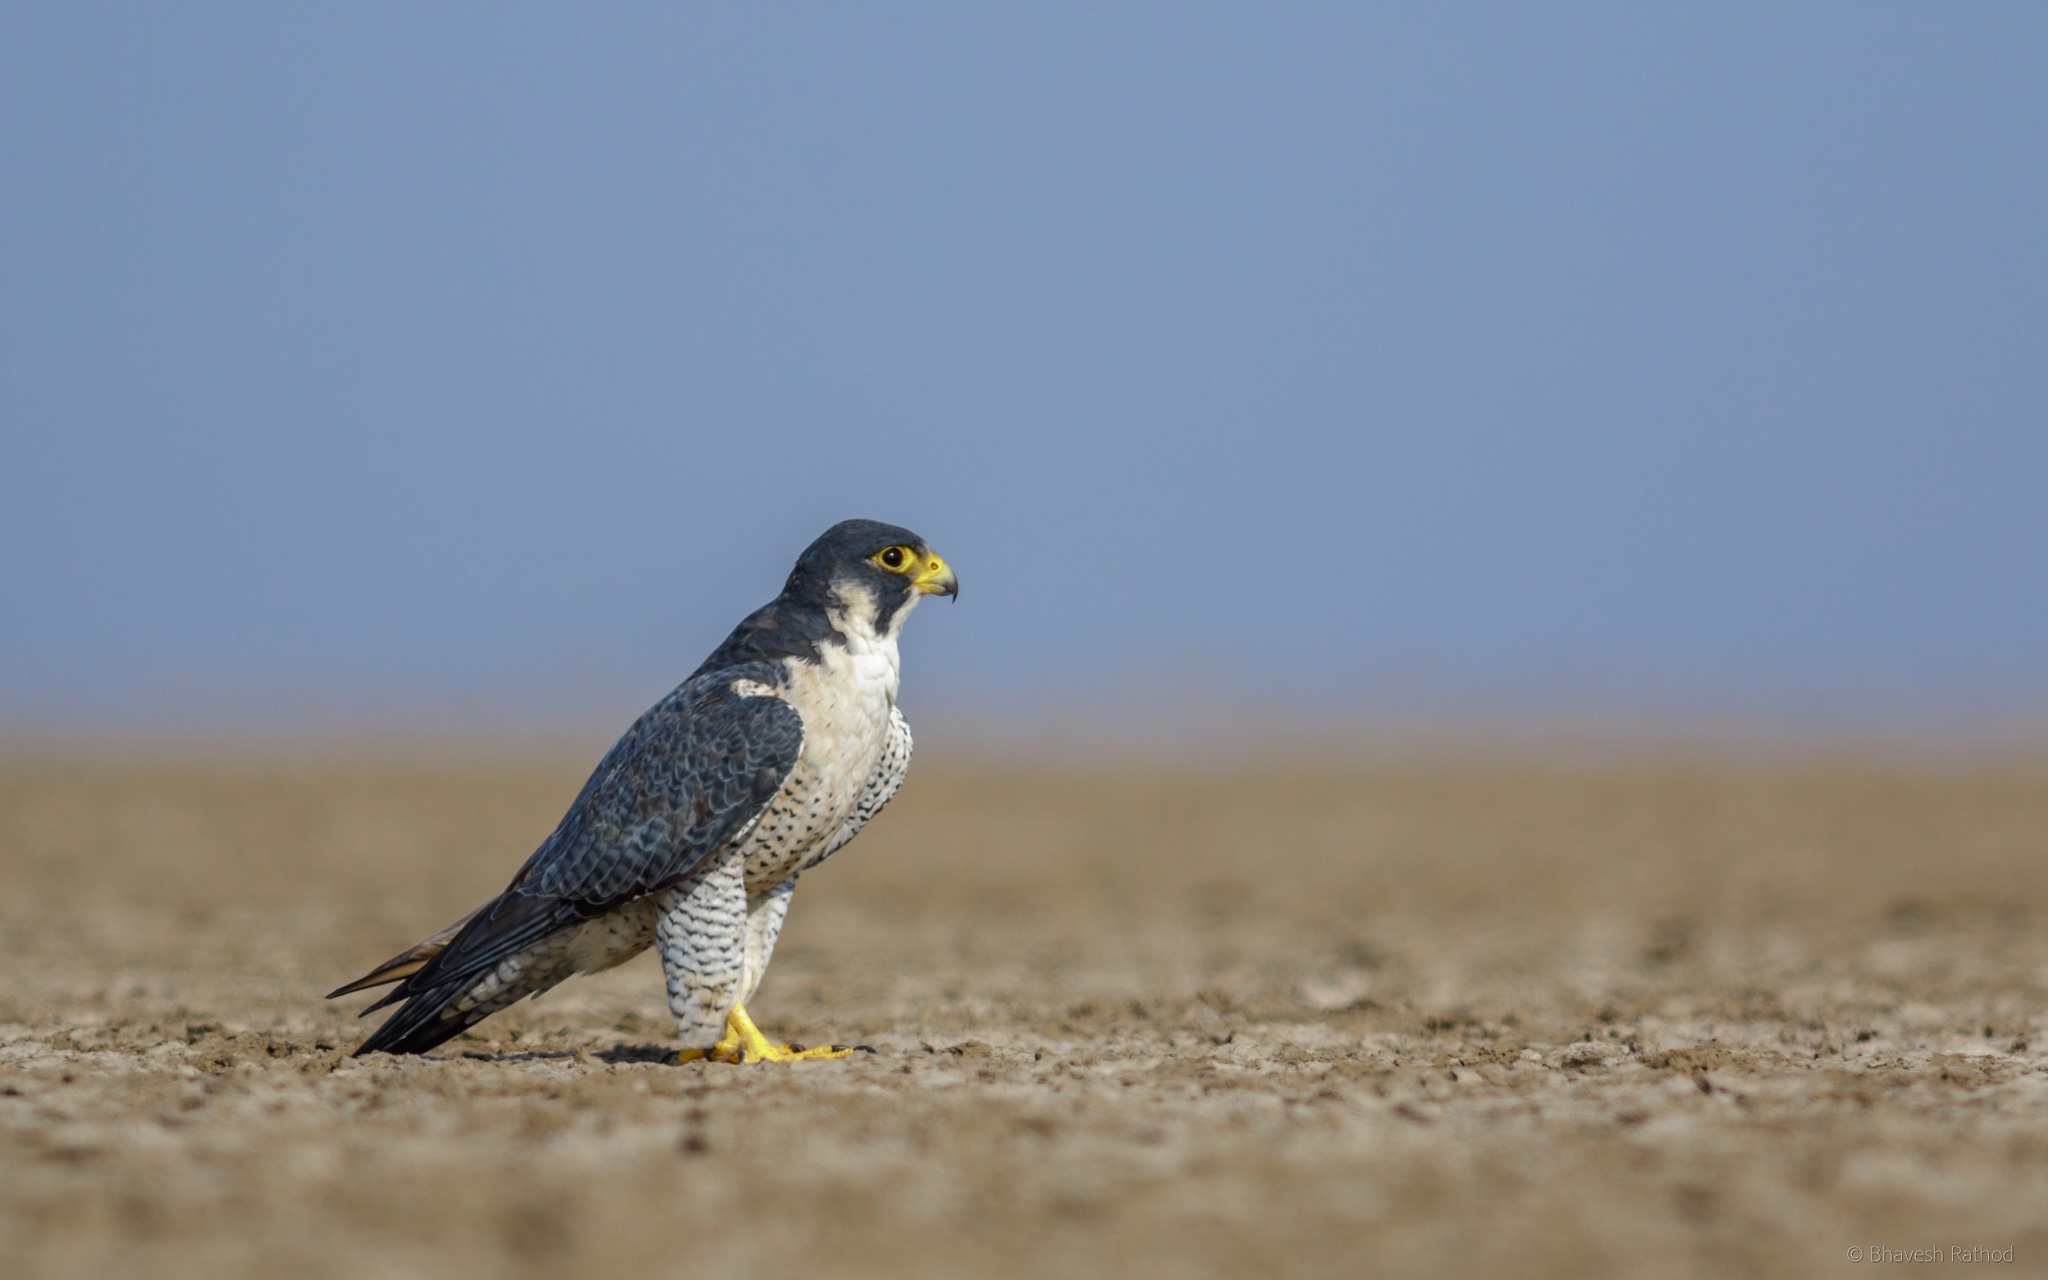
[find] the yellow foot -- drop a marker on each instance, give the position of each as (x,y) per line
(743,1042)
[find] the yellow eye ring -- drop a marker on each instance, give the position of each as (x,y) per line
(894,558)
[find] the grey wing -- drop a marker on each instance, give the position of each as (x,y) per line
(686,781)
(879,789)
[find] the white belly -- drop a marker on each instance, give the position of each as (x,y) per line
(845,702)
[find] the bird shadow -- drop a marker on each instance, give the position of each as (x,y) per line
(624,1053)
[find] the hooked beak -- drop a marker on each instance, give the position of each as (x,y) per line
(936,577)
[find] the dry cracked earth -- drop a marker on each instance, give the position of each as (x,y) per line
(1668,1019)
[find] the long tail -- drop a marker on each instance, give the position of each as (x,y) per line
(446,981)
(425,1020)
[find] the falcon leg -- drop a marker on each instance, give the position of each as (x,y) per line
(765,913)
(705,932)
(755,1047)
(701,933)
(744,1042)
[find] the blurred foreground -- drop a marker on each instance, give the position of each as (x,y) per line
(1692,1020)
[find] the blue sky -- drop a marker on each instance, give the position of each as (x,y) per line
(492,359)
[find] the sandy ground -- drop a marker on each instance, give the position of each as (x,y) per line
(1699,1020)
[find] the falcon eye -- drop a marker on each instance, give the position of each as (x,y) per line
(893,558)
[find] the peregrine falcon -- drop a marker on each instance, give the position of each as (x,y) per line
(691,833)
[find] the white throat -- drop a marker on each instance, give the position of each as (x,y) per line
(869,651)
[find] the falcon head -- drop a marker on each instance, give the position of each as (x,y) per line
(867,576)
